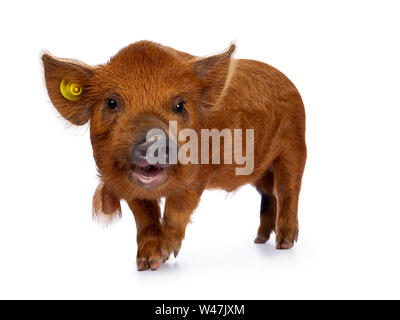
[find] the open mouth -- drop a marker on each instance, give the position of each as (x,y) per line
(148,176)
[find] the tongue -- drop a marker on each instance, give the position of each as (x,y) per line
(146,179)
(148,175)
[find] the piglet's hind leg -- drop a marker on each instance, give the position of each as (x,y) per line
(268,207)
(288,171)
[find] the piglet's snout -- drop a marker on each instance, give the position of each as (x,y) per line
(154,150)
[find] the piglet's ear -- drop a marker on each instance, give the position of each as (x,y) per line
(67,84)
(217,63)
(213,72)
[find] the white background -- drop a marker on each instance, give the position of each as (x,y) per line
(343,56)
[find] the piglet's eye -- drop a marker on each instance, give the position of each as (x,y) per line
(111,104)
(180,107)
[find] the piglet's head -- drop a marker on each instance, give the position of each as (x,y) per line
(130,102)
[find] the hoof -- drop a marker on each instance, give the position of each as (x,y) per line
(142,265)
(284,245)
(260,239)
(155,264)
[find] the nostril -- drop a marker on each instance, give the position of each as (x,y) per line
(139,152)
(155,148)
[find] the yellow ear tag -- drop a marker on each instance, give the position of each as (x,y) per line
(70,90)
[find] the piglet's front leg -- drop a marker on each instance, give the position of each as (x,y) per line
(149,234)
(158,240)
(175,220)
